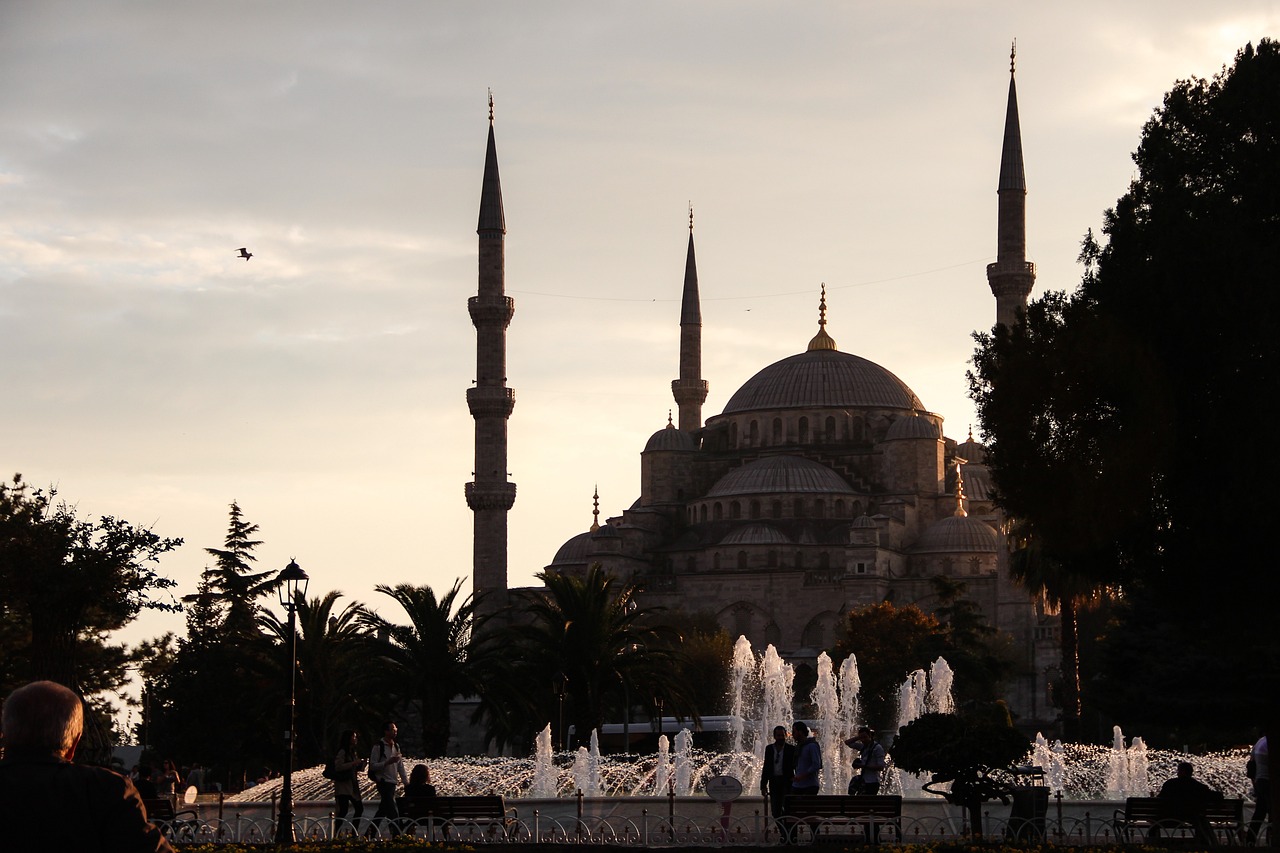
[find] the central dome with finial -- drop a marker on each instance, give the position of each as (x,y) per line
(823,377)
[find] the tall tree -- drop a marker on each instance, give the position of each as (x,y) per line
(1117,416)
(232,582)
(65,584)
(429,658)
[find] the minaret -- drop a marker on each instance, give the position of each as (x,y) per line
(490,496)
(1011,276)
(690,390)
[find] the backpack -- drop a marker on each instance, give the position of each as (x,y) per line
(372,777)
(329,773)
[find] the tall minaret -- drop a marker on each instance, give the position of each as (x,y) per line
(690,390)
(1011,276)
(490,496)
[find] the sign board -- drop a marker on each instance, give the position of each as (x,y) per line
(724,789)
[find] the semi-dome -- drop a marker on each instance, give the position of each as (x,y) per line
(823,378)
(774,474)
(573,551)
(913,426)
(958,534)
(756,534)
(670,438)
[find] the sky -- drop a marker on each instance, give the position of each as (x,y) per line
(152,375)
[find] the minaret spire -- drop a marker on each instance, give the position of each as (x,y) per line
(690,390)
(490,496)
(1011,277)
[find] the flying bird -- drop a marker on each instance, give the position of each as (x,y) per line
(245,253)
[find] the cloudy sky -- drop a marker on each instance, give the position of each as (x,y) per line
(152,375)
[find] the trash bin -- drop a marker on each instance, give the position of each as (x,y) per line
(1026,817)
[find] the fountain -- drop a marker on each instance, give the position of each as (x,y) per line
(762,698)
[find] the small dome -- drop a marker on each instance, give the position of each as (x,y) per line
(958,534)
(912,427)
(971,451)
(774,474)
(573,552)
(670,438)
(756,534)
(864,521)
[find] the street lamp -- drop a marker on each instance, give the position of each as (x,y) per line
(558,683)
(293,585)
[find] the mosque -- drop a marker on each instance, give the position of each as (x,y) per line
(824,485)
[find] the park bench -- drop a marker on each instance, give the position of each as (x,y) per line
(487,811)
(1149,819)
(825,815)
(176,825)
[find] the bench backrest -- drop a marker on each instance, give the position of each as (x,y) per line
(456,808)
(1152,809)
(158,809)
(839,805)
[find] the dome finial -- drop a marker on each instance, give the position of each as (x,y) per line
(971,432)
(960,511)
(822,340)
(491,106)
(690,216)
(1013,52)
(670,424)
(595,511)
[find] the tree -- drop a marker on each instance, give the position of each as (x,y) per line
(232,584)
(591,631)
(890,643)
(65,584)
(981,656)
(1118,417)
(340,683)
(428,659)
(972,749)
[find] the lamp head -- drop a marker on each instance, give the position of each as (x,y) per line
(293,583)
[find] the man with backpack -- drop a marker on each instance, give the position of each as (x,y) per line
(386,768)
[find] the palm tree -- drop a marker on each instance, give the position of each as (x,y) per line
(1061,590)
(591,631)
(337,687)
(429,658)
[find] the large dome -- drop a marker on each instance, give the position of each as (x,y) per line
(820,379)
(958,534)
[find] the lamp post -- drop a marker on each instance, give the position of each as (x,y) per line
(558,683)
(293,585)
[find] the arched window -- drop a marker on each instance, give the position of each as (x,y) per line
(839,508)
(733,435)
(754,439)
(824,560)
(702,511)
(830,430)
(773,559)
(799,560)
(742,560)
(691,564)
(804,431)
(755,508)
(715,561)
(735,509)
(777,430)
(717,511)
(819,509)
(777,509)
(799,507)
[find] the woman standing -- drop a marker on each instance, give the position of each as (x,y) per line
(167,781)
(346,788)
